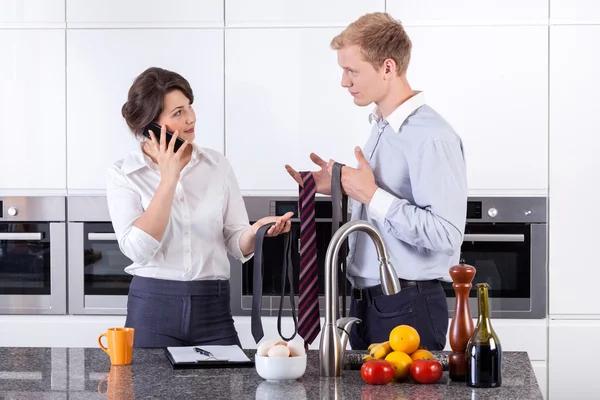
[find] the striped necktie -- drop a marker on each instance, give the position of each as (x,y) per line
(308,301)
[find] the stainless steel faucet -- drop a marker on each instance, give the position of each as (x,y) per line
(333,342)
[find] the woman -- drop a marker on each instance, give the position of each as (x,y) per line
(176,215)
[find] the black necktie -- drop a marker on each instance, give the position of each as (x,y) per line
(256,323)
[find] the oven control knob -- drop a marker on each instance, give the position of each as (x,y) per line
(492,212)
(12,211)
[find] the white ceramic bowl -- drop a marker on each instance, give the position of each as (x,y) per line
(280,368)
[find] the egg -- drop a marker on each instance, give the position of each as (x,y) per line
(264,347)
(279,351)
(296,348)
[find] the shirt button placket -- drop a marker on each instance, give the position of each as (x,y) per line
(187,245)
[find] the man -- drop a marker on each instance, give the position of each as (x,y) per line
(410,183)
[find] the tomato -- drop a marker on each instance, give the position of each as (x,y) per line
(377,372)
(426,371)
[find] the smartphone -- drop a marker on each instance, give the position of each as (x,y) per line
(156,129)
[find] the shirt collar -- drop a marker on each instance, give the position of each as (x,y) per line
(400,114)
(137,159)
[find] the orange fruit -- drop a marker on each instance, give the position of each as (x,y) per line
(422,355)
(404,338)
(401,363)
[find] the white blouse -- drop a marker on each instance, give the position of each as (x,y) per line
(207,219)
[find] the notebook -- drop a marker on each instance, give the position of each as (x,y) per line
(222,357)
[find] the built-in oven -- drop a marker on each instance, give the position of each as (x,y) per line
(241,274)
(505,239)
(32,255)
(98,283)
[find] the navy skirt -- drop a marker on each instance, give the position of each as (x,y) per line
(167,313)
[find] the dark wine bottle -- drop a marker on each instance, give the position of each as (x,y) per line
(483,356)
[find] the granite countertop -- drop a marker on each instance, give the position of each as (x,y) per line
(76,373)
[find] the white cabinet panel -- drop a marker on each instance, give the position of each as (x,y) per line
(67,330)
(519,335)
(102,65)
(309,12)
(284,100)
(32,109)
(17,11)
(540,368)
(575,168)
(571,373)
(575,10)
(139,11)
(491,84)
(468,11)
(244,329)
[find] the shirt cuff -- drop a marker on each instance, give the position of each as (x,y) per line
(144,239)
(240,252)
(380,204)
(140,245)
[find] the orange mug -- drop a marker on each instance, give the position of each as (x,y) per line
(119,345)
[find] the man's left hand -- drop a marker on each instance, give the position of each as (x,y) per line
(359,183)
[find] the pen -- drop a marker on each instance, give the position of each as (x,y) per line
(203,352)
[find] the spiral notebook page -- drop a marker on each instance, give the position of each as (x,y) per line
(187,354)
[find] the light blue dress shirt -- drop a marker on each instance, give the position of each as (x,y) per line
(421,204)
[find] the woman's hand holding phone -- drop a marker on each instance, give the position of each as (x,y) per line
(170,162)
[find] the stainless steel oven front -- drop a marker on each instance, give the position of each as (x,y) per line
(32,255)
(505,239)
(241,274)
(98,283)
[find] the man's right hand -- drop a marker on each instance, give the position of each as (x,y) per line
(322,177)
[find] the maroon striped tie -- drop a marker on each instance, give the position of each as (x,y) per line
(308,300)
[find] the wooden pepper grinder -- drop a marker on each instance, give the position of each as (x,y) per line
(461,327)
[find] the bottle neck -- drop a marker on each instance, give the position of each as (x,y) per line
(484,312)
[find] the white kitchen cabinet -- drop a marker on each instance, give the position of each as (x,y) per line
(491,84)
(32,11)
(32,109)
(284,100)
(573,359)
(493,89)
(286,13)
(151,13)
(482,12)
(66,330)
(528,335)
(574,11)
(243,327)
(540,368)
(575,168)
(102,65)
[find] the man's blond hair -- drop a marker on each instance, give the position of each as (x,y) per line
(379,37)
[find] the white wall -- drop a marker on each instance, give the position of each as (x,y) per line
(518,81)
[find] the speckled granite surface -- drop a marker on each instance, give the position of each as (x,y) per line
(59,373)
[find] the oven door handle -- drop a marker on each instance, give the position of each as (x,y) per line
(329,220)
(97,236)
(21,236)
(482,237)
